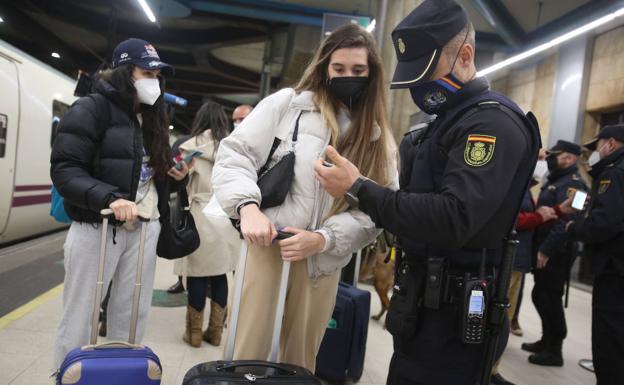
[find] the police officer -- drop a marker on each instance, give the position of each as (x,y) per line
(602,231)
(554,256)
(462,180)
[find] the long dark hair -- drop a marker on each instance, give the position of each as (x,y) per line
(211,116)
(155,119)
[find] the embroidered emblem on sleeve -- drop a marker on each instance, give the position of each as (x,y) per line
(479,150)
(604,186)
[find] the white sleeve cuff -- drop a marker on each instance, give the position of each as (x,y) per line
(329,239)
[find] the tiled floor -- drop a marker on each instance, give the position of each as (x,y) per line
(25,345)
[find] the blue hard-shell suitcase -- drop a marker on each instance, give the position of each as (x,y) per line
(343,348)
(118,363)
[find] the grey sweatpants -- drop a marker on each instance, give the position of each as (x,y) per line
(82,248)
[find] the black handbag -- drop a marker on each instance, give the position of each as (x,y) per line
(275,182)
(180,239)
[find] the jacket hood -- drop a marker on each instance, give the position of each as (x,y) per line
(111,93)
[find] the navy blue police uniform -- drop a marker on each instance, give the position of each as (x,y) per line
(550,239)
(602,231)
(462,179)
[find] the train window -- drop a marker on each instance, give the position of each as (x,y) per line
(58,110)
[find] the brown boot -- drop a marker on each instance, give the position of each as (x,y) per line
(212,335)
(194,324)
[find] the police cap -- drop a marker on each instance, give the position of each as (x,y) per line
(418,40)
(615,131)
(565,146)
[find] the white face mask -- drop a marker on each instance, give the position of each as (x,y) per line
(595,157)
(148,90)
(541,169)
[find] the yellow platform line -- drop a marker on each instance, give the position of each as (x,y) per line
(30,306)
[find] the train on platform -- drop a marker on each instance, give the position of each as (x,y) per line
(33,98)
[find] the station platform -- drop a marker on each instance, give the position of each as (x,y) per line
(27,332)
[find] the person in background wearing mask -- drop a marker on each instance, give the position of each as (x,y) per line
(601,229)
(529,219)
(555,255)
(112,151)
(339,100)
(240,113)
(462,180)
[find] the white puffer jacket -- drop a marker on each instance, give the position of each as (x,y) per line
(246,150)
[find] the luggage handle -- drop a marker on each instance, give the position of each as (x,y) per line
(238,290)
(235,365)
(113,345)
(107,214)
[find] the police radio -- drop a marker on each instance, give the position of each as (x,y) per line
(474,311)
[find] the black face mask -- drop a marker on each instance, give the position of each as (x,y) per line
(552,163)
(348,89)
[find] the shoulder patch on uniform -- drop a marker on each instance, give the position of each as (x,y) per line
(604,186)
(479,150)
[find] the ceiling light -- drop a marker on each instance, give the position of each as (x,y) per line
(554,42)
(148,11)
(171,127)
(55,55)
(371,26)
(1,19)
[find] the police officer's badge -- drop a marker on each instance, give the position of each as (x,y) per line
(479,150)
(604,186)
(401,45)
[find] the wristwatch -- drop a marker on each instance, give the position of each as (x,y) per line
(351,196)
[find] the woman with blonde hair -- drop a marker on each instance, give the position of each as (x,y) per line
(340,100)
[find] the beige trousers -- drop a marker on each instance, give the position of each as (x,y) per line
(309,306)
(513,295)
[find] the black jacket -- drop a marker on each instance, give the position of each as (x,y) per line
(97,154)
(602,229)
(550,238)
(461,181)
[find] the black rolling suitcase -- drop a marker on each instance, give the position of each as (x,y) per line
(341,355)
(248,371)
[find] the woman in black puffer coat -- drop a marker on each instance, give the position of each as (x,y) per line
(112,151)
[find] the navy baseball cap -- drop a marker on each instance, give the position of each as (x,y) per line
(615,131)
(565,146)
(418,40)
(140,53)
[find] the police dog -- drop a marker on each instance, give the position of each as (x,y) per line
(377,264)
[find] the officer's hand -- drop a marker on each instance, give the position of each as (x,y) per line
(566,206)
(336,178)
(542,260)
(302,245)
(547,213)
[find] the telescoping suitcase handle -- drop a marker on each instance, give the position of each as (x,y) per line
(279,311)
(106,215)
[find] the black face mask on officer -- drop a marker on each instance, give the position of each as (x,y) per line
(348,89)
(552,162)
(432,96)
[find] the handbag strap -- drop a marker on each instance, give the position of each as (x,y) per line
(276,143)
